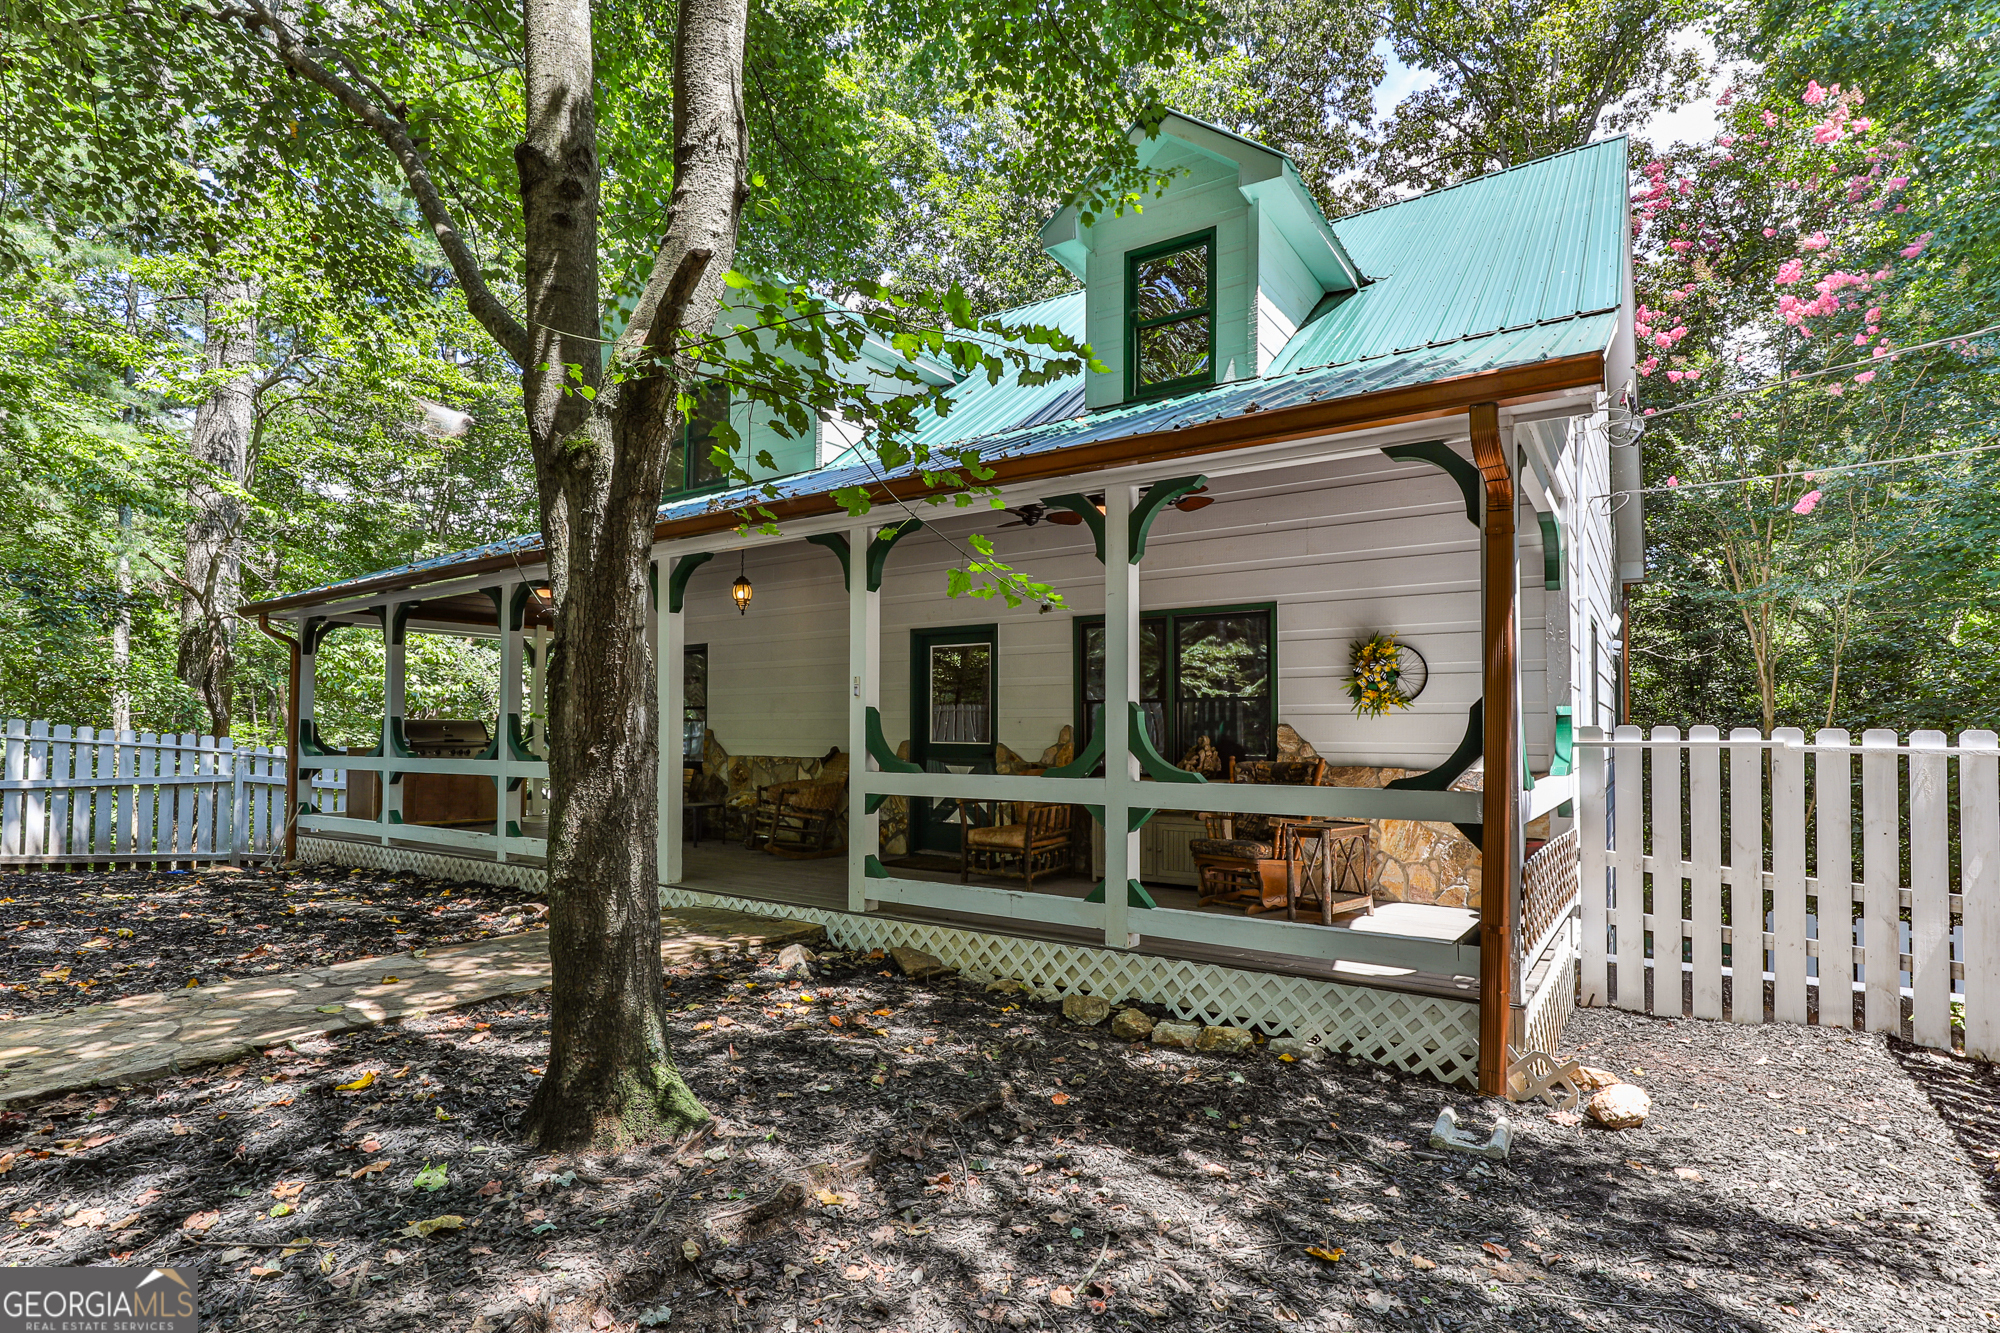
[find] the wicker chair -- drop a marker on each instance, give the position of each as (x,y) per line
(1038,838)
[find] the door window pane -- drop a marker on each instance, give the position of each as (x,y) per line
(962,693)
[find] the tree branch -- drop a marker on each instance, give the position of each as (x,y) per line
(374,111)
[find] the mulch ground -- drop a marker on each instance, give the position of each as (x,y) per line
(891,1154)
(75,939)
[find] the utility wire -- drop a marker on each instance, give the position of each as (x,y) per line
(1801,378)
(1808,473)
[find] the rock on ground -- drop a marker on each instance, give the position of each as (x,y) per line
(1620,1106)
(918,965)
(1183,1035)
(1223,1041)
(1132,1025)
(1089,1010)
(1298,1049)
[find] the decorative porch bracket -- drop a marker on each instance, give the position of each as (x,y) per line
(1552,551)
(879,547)
(1563,761)
(1151,762)
(1135,894)
(1157,497)
(884,757)
(677,582)
(1440,778)
(1471,484)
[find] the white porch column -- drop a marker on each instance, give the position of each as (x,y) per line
(393,712)
(510,711)
(864,691)
(303,711)
(1121,687)
(670,673)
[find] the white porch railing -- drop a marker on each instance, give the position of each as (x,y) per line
(1700,854)
(88,795)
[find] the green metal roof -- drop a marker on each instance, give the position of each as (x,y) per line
(1521,266)
(1539,243)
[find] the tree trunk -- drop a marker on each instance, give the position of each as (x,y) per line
(220,444)
(611,1077)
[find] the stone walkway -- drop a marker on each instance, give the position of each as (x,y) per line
(144,1037)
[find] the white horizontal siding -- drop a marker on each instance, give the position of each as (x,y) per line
(1344,549)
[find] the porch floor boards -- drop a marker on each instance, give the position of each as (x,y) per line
(723,867)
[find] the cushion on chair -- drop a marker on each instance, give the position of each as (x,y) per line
(1008,836)
(1239,849)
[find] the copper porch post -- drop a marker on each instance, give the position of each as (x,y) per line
(1500,853)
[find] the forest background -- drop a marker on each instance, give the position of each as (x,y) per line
(240,381)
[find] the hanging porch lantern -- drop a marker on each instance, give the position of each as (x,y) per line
(740,590)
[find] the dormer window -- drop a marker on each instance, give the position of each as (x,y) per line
(1170,316)
(690,463)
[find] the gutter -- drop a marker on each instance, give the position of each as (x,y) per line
(1384,407)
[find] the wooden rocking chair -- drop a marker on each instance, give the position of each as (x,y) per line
(807,823)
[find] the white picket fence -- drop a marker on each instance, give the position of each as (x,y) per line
(88,796)
(1686,840)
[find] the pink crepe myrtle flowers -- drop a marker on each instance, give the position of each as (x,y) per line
(1917,247)
(1808,502)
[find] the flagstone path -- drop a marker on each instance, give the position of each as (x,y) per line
(143,1037)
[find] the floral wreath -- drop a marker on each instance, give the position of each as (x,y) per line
(1375,672)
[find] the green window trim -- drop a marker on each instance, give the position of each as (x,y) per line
(690,458)
(1134,325)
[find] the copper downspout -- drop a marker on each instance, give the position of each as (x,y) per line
(291,740)
(1500,804)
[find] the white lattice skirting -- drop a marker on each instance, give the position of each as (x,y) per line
(1419,1034)
(1549,1008)
(418,861)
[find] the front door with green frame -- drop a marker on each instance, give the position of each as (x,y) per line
(954,689)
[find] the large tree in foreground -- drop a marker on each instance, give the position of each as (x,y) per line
(599,264)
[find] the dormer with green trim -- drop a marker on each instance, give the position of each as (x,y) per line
(1208,280)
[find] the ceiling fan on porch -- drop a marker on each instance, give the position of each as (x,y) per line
(1028,515)
(1187,504)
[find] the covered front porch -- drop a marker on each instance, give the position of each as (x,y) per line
(1314,543)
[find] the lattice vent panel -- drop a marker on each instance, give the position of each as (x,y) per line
(1549,1008)
(417,861)
(1419,1034)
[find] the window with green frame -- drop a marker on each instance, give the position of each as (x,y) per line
(690,463)
(694,701)
(1205,671)
(1170,316)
